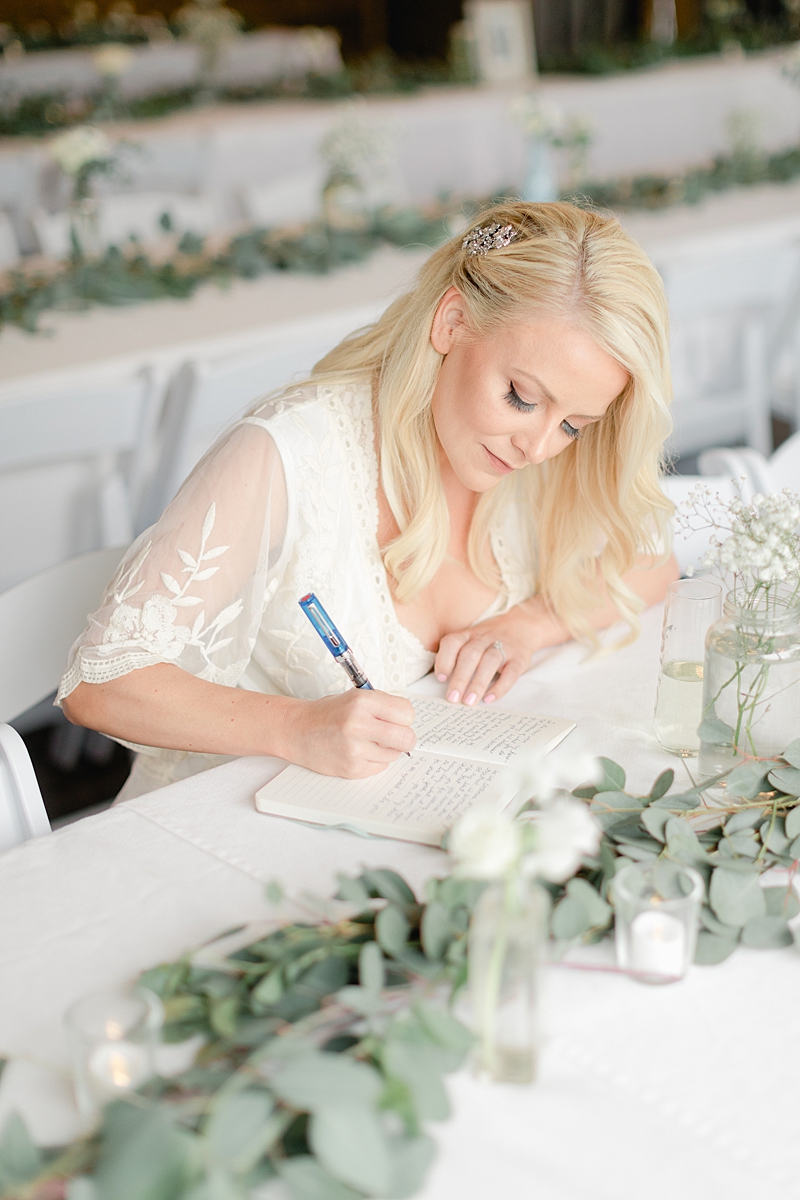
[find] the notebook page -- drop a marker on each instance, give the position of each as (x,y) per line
(415,799)
(482,733)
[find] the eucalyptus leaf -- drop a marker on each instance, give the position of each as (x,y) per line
(682,843)
(681,802)
(792,753)
(744,842)
(411,1063)
(274,892)
(351,1143)
(662,784)
(411,1159)
(613,776)
(435,929)
(269,989)
(315,1079)
(143,1155)
(773,835)
(20,1159)
(597,909)
(715,732)
(766,933)
(237,1133)
(217,1185)
(639,853)
(736,898)
(389,885)
(392,929)
(792,825)
(747,818)
(569,919)
(713,924)
(444,1028)
(223,1016)
(307,1180)
(655,820)
(747,780)
(794,849)
(781,902)
(360,999)
(371,967)
(354,891)
(611,808)
(786,779)
(712,949)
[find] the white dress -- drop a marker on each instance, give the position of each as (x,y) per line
(284,503)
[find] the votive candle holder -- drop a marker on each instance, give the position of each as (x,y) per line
(657,914)
(112,1037)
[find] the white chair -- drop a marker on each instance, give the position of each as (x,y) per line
(205,395)
(22,811)
(39,620)
(781,470)
(74,462)
(9,249)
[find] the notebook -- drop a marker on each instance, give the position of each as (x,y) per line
(460,759)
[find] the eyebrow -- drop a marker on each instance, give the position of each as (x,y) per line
(552,398)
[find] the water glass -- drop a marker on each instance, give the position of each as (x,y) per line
(657,914)
(691,607)
(112,1037)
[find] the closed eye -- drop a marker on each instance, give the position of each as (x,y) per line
(570,430)
(516,401)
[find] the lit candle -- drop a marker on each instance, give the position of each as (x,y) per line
(657,945)
(119,1066)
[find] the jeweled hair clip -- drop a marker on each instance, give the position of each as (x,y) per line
(488,237)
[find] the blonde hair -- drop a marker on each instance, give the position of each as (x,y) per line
(596,504)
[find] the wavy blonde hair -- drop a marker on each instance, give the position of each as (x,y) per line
(598,503)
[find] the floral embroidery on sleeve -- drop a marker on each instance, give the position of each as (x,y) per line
(152,627)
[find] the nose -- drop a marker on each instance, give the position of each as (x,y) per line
(535,440)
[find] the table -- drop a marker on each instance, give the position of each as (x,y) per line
(685,1090)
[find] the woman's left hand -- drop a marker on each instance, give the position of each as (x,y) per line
(468,659)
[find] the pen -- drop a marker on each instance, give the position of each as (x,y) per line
(334,640)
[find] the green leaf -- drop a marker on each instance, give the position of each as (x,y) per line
(736,898)
(223,1016)
(792,753)
(766,933)
(781,902)
(655,820)
(269,989)
(662,784)
(435,930)
(315,1079)
(353,890)
(715,732)
(392,929)
(143,1156)
(274,892)
(747,780)
(746,819)
(597,909)
(682,843)
(714,925)
(773,836)
(371,967)
(786,779)
(613,808)
(389,885)
(678,802)
(444,1028)
(409,1061)
(670,880)
(350,1142)
(20,1159)
(360,999)
(613,776)
(744,842)
(569,919)
(237,1133)
(411,1159)
(712,949)
(307,1180)
(793,822)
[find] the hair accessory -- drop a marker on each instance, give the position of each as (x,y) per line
(488,237)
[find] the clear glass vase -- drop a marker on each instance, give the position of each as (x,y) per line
(751,680)
(84,219)
(506,938)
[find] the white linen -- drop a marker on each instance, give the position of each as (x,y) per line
(685,1090)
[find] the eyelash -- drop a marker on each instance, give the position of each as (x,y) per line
(516,401)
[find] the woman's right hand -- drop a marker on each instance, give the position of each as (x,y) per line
(353,735)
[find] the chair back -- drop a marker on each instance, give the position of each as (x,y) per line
(784,466)
(22,811)
(206,395)
(40,619)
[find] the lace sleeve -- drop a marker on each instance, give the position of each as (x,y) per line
(192,589)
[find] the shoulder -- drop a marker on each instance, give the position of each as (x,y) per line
(323,402)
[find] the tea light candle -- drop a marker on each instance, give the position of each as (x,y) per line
(119,1066)
(657,945)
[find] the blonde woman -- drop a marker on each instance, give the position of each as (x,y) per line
(473,478)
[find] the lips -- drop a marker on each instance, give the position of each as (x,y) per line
(497,463)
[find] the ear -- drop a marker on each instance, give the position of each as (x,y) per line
(448,321)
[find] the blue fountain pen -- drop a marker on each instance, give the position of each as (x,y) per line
(334,640)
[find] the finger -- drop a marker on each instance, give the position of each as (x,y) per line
(504,682)
(466,665)
(489,666)
(393,737)
(396,710)
(447,654)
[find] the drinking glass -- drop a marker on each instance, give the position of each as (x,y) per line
(692,606)
(657,913)
(112,1037)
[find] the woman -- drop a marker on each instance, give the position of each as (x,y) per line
(473,478)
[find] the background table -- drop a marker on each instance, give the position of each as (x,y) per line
(686,1090)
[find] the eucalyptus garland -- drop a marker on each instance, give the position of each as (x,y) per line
(324,1042)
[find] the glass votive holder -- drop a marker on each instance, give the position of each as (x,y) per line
(690,608)
(112,1038)
(657,912)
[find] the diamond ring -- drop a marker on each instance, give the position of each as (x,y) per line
(499,646)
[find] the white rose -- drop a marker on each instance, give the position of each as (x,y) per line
(77,147)
(565,833)
(485,844)
(537,776)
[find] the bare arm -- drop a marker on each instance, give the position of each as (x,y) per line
(351,735)
(468,661)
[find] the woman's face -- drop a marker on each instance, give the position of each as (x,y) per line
(518,396)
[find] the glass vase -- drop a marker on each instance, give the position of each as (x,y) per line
(84,221)
(345,203)
(506,937)
(751,684)
(540,184)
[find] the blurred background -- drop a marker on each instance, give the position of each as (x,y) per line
(197,200)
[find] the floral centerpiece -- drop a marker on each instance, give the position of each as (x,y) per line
(547,125)
(354,151)
(83,153)
(751,685)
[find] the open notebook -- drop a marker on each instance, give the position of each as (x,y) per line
(459,760)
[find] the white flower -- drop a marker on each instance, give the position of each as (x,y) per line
(538,118)
(485,844)
(565,833)
(77,147)
(151,627)
(354,145)
(539,777)
(112,60)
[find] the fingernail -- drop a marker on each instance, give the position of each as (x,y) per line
(488,699)
(442,678)
(470,699)
(454,696)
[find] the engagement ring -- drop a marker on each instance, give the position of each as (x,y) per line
(499,646)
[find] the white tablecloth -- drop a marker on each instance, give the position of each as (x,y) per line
(682,1091)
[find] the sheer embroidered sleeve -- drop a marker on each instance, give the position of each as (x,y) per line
(192,590)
